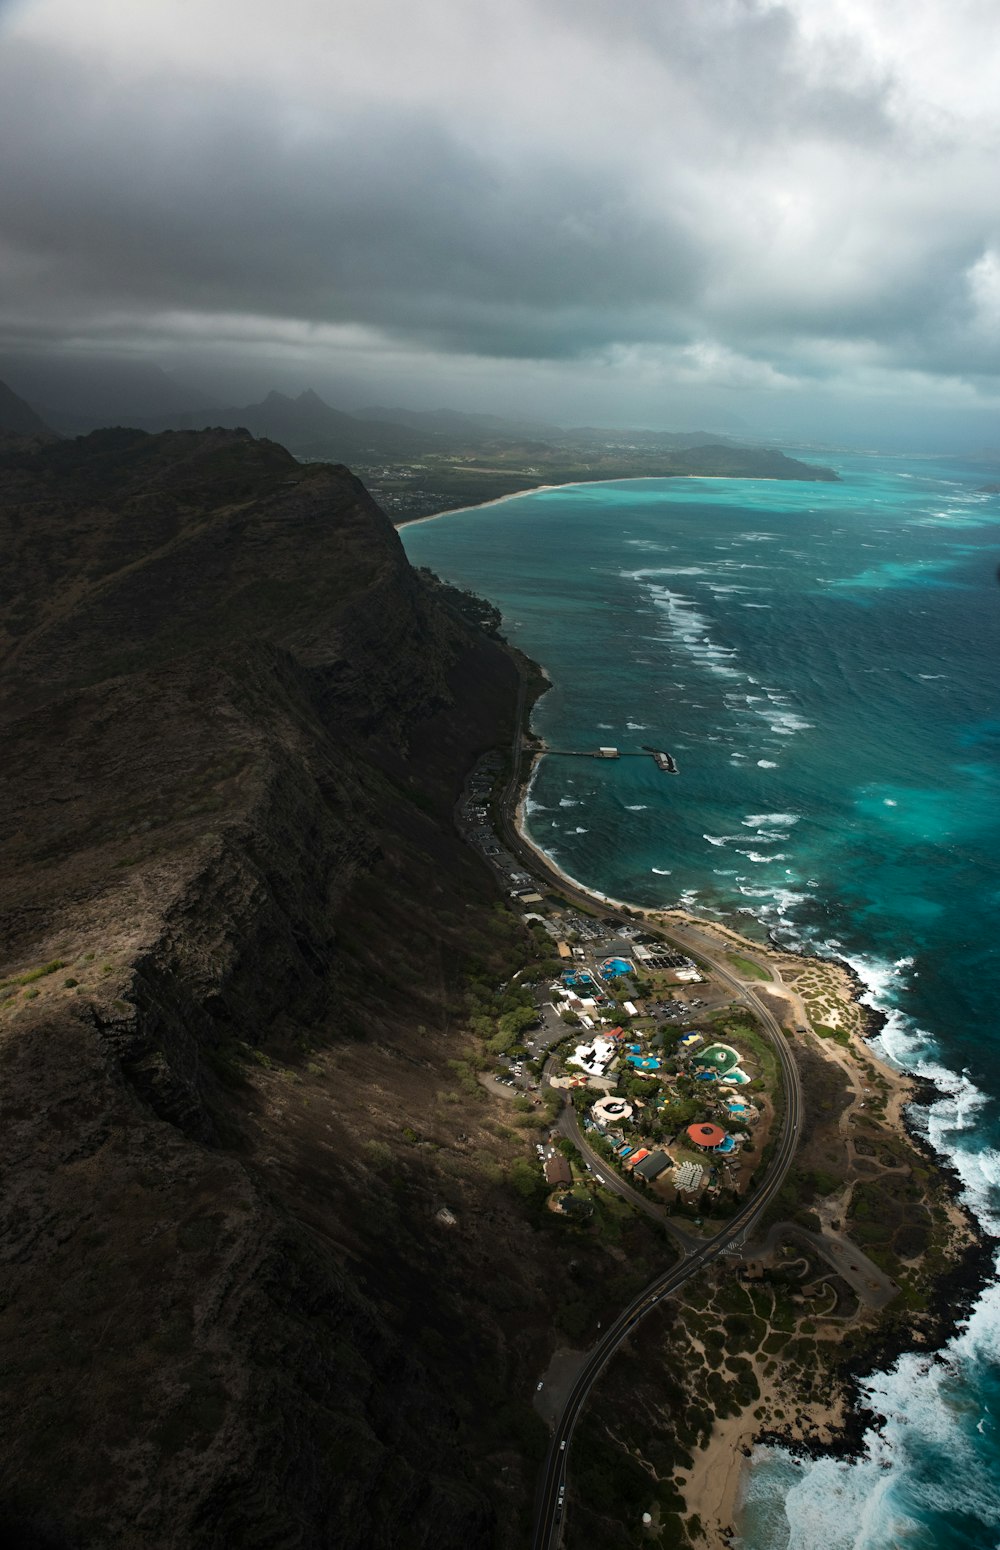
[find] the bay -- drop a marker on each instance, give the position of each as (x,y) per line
(823,660)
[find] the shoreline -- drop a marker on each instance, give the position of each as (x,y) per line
(836,1425)
(576,484)
(838,1428)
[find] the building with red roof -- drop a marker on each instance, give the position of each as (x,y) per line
(711,1138)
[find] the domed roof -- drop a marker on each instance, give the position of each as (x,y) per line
(708,1136)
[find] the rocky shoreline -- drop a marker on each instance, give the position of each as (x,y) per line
(837,1428)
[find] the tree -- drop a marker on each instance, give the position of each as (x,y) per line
(515,1021)
(526,1178)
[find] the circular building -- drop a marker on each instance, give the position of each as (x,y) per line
(610,1111)
(721,1057)
(709,1137)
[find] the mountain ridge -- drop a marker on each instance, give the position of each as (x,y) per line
(235,934)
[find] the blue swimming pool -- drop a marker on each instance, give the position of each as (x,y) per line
(615,967)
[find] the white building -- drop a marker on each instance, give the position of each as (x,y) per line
(595,1057)
(611,1110)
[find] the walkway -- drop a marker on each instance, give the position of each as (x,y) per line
(872,1285)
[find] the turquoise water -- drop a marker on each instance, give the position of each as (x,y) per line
(824,663)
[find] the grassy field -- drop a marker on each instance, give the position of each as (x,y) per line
(747,967)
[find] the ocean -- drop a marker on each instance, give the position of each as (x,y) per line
(823,661)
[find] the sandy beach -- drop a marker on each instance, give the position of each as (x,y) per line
(572,484)
(498,500)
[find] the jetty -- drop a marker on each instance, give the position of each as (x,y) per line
(664,761)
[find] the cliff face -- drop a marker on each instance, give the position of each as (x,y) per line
(234,724)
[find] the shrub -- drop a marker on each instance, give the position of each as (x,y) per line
(379,1154)
(36,974)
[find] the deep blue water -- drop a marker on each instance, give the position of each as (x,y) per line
(824,663)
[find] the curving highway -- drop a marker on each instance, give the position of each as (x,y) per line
(551,1490)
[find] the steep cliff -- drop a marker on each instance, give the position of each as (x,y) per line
(234,928)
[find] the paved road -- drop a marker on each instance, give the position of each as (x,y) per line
(550,1497)
(569,1126)
(852,1264)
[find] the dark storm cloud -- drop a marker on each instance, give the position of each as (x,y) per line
(731,188)
(390,219)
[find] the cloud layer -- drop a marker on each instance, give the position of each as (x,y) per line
(743,195)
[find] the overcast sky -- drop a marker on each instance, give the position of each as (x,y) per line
(602,209)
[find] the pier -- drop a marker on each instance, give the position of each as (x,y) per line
(664,761)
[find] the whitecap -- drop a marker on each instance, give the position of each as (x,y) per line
(785,723)
(636,807)
(767,764)
(568,802)
(664,570)
(755,855)
(637,726)
(841,1505)
(661,871)
(689,629)
(770,820)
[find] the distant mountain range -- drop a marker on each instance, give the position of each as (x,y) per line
(463,457)
(18,417)
(309,426)
(73,397)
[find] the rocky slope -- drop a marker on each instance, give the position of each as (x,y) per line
(235,927)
